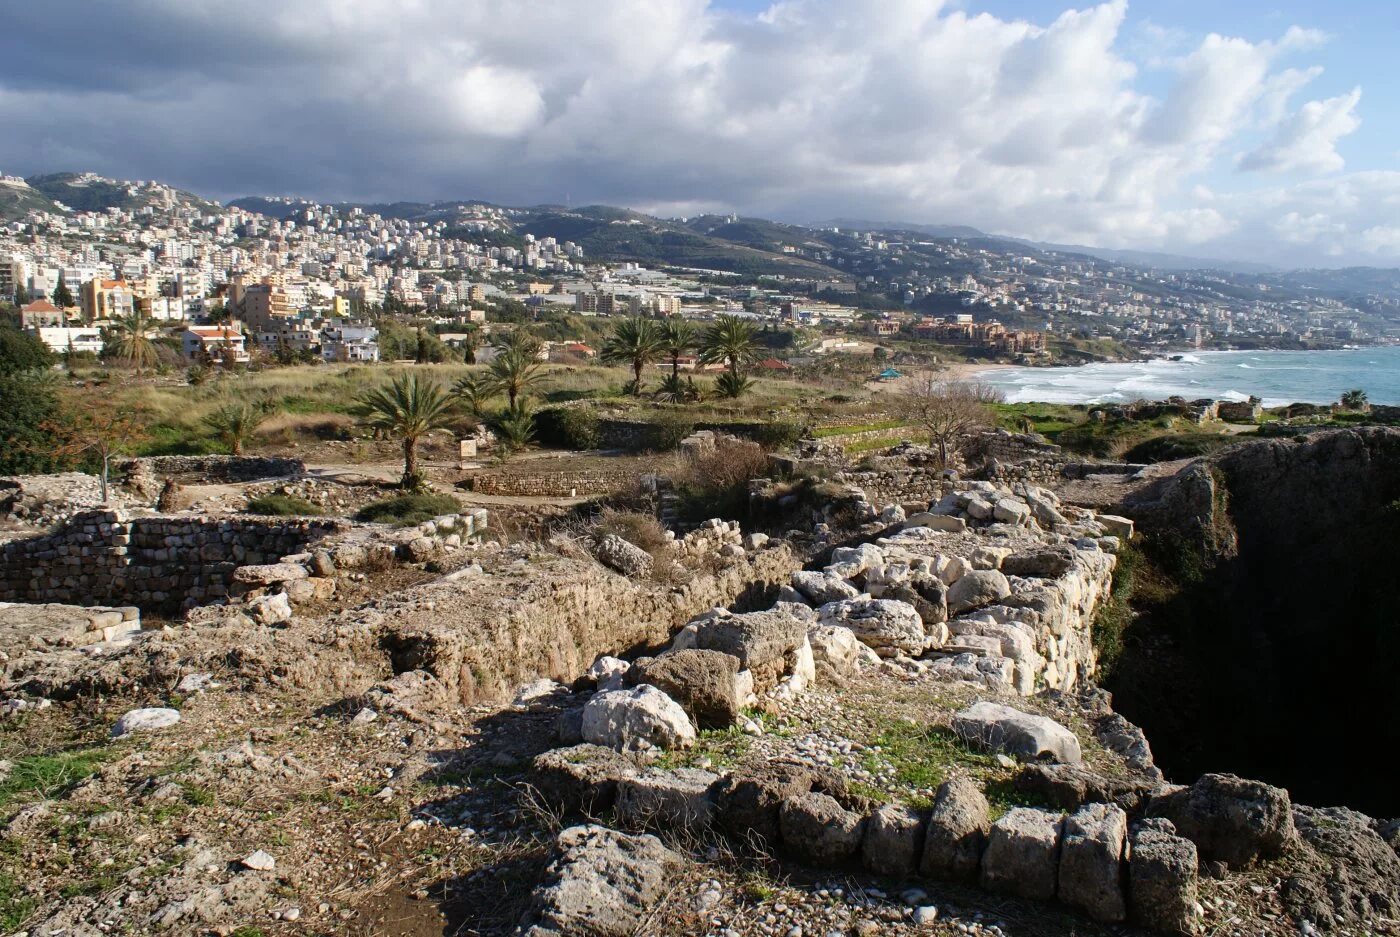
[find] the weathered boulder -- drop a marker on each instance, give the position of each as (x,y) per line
(1047,563)
(1230,819)
(1001,728)
(747,804)
(145,720)
(1115,526)
(894,838)
(957,831)
(701,681)
(269,575)
(624,557)
(1068,787)
(766,643)
(640,719)
(270,609)
(977,588)
(820,588)
(672,801)
(1022,855)
(1344,874)
(834,648)
(1162,881)
(1091,862)
(607,672)
(942,522)
(929,596)
(817,829)
(888,626)
(850,562)
(582,778)
(1011,511)
(602,883)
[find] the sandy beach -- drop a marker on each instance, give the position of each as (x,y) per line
(951,372)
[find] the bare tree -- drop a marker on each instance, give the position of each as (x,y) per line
(947,409)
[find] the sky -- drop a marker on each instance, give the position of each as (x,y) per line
(1246,130)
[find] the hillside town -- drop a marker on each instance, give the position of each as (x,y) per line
(304,281)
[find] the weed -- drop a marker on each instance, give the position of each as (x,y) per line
(406,510)
(15,905)
(49,775)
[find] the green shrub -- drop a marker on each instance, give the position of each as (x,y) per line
(282,506)
(568,428)
(777,434)
(405,510)
(666,433)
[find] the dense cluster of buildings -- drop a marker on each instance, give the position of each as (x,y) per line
(286,276)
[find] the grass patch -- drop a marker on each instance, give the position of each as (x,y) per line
(49,775)
(921,757)
(15,905)
(406,510)
(872,444)
(282,506)
(722,748)
(822,432)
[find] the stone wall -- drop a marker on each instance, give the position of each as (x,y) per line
(218,469)
(898,486)
(104,557)
(549,484)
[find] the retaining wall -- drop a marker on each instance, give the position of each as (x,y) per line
(105,558)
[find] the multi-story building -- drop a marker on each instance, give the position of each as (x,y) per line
(106,299)
(220,344)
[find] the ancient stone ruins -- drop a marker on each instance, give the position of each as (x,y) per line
(874,707)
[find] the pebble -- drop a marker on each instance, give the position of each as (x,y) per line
(925,915)
(259,861)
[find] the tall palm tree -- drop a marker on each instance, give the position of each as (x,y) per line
(1355,400)
(635,342)
(130,340)
(731,340)
(410,407)
(677,337)
(517,368)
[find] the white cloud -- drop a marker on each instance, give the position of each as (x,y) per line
(1306,141)
(900,110)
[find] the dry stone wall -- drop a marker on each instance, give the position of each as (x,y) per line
(550,484)
(104,557)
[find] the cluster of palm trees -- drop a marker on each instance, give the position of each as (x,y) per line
(729,340)
(411,406)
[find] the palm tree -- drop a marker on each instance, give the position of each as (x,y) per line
(514,428)
(409,408)
(234,423)
(730,340)
(130,340)
(474,390)
(635,342)
(517,368)
(677,337)
(1355,400)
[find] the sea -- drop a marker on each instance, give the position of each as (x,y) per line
(1277,377)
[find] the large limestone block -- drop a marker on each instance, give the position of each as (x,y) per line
(602,883)
(894,840)
(849,562)
(957,831)
(581,778)
(817,829)
(765,643)
(1022,855)
(624,557)
(1001,728)
(1162,880)
(640,719)
(1091,862)
(747,803)
(1230,819)
(888,626)
(821,588)
(702,682)
(976,589)
(670,801)
(835,647)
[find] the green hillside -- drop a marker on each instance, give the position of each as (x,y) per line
(15,202)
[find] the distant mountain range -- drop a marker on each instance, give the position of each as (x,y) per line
(751,246)
(1150,259)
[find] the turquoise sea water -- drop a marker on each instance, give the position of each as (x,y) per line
(1279,377)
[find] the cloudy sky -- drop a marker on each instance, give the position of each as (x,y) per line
(1250,129)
